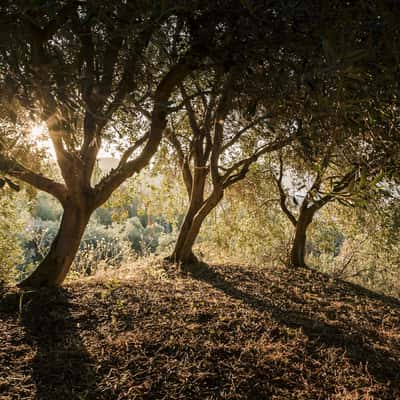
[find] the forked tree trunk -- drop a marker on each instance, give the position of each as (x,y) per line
(184,254)
(297,253)
(177,256)
(55,266)
(183,251)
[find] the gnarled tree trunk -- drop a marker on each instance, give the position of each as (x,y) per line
(183,251)
(55,266)
(297,253)
(180,244)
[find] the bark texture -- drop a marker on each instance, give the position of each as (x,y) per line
(55,266)
(298,250)
(197,213)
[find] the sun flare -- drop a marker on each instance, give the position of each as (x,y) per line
(39,136)
(37,132)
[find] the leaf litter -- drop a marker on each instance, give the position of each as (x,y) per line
(211,332)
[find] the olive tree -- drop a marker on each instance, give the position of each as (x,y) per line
(78,67)
(215,144)
(307,185)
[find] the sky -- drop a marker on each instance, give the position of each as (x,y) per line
(40,137)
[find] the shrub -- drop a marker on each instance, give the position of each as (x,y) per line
(10,249)
(134,233)
(46,208)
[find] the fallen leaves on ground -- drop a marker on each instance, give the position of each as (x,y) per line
(215,332)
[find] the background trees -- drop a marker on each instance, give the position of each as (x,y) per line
(10,226)
(333,175)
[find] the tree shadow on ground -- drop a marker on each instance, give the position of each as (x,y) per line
(61,368)
(352,339)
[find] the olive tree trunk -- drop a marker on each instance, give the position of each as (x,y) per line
(197,213)
(297,253)
(55,266)
(181,246)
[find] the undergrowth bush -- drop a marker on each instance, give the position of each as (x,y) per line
(10,249)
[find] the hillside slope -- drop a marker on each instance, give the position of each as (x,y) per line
(224,332)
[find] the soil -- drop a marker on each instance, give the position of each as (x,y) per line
(212,332)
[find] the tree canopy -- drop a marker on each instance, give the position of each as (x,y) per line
(217,79)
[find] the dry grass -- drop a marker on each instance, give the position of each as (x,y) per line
(218,332)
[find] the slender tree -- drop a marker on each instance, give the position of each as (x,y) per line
(347,118)
(332,175)
(215,146)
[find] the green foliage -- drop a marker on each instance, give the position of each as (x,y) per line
(46,208)
(10,225)
(104,242)
(327,237)
(103,216)
(248,226)
(361,245)
(358,244)
(369,253)
(36,239)
(151,237)
(166,242)
(161,193)
(134,231)
(327,71)
(100,243)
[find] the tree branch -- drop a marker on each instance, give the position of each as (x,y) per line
(179,106)
(127,81)
(176,74)
(278,144)
(146,113)
(130,150)
(282,193)
(61,18)
(220,116)
(191,113)
(16,170)
(238,134)
(86,56)
(338,187)
(109,63)
(183,160)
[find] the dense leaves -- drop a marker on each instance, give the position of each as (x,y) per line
(224,83)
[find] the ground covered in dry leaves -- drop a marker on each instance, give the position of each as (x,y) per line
(219,332)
